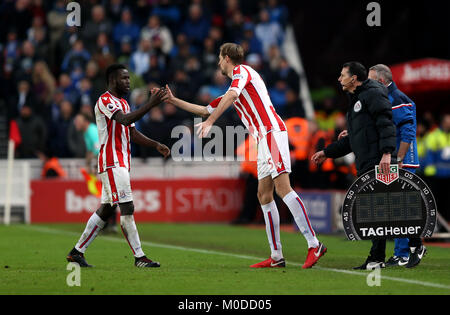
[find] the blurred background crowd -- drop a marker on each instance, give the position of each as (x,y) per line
(51,72)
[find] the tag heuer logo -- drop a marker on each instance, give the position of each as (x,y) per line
(388,178)
(357,106)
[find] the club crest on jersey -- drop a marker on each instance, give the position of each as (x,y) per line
(110,106)
(357,106)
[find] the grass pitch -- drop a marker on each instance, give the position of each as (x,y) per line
(202,259)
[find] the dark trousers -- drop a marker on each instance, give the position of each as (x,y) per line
(378,250)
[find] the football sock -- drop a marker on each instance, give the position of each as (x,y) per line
(93,226)
(298,210)
(272,218)
(131,234)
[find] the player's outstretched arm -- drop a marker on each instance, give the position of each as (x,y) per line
(189,107)
(140,139)
(157,96)
(227,100)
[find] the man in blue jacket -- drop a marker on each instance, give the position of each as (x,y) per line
(406,252)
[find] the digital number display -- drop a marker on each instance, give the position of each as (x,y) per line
(388,207)
(397,206)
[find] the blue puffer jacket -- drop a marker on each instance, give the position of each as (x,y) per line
(404,116)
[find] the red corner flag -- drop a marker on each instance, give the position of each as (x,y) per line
(14,133)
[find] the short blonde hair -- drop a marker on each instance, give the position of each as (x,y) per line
(234,51)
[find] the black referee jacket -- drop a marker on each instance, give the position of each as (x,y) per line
(371,131)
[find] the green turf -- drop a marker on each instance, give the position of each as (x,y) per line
(201,259)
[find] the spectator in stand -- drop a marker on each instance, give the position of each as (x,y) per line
(154,29)
(234,27)
(12,48)
(104,52)
(208,58)
(278,96)
(278,12)
(36,25)
(183,85)
(219,85)
(98,82)
(38,9)
(294,106)
(56,20)
(59,131)
(196,27)
(169,14)
(114,8)
(268,32)
(84,88)
(33,133)
(287,74)
(141,11)
(180,53)
(24,97)
(232,7)
(126,28)
(17,13)
(75,141)
(156,71)
(140,59)
(254,44)
(24,65)
(70,35)
(44,83)
(97,24)
(40,43)
(124,54)
(77,56)
(69,90)
(216,34)
(194,71)
(52,110)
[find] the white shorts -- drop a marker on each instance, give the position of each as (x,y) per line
(116,187)
(274,157)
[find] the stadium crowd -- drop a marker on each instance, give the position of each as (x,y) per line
(50,72)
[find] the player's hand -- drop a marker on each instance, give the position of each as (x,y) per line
(319,157)
(157,95)
(203,129)
(343,134)
(170,95)
(163,150)
(385,163)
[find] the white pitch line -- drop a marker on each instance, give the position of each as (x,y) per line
(213,252)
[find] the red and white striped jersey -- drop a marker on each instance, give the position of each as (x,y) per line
(115,149)
(253,105)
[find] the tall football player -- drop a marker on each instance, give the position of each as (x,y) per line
(251,100)
(115,124)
